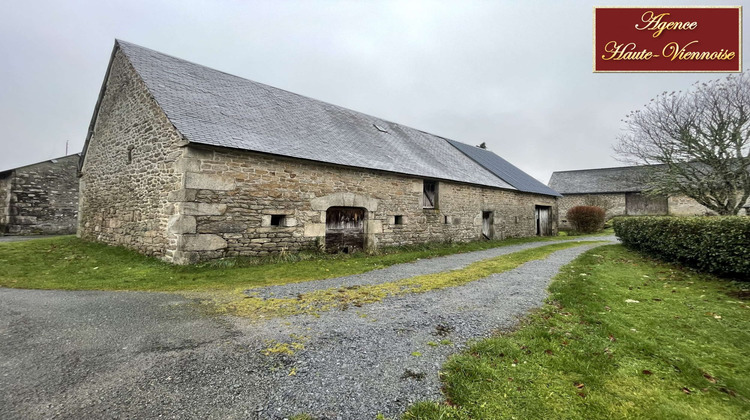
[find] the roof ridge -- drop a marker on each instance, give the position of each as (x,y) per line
(41,161)
(511,174)
(603,169)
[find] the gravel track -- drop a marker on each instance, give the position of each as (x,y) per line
(93,355)
(357,362)
(404,271)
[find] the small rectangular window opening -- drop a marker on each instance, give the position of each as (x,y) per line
(398,220)
(278,219)
(446,220)
(130,154)
(429,195)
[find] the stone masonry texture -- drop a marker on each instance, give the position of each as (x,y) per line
(129,168)
(40,199)
(230,195)
(146,188)
(614,204)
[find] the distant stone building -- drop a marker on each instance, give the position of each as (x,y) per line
(187,163)
(41,198)
(620,191)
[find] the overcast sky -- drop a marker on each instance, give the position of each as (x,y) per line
(516,75)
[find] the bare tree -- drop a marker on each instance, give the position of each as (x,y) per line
(700,140)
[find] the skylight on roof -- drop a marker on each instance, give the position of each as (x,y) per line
(379,128)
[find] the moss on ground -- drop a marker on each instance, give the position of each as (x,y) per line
(315,302)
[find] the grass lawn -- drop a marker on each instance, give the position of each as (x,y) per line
(72,264)
(622,336)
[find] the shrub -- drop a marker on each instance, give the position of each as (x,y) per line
(718,245)
(586,219)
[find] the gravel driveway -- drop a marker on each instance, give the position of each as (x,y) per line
(147,355)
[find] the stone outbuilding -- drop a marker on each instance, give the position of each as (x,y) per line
(620,191)
(41,198)
(188,163)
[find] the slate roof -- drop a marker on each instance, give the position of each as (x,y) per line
(214,108)
(504,169)
(53,160)
(604,180)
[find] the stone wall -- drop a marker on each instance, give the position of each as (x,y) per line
(130,168)
(41,198)
(5,182)
(686,206)
(230,196)
(614,204)
(143,187)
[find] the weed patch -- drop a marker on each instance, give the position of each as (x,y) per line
(345,297)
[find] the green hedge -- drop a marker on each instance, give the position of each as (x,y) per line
(714,244)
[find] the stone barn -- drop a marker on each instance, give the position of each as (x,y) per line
(188,163)
(41,198)
(620,191)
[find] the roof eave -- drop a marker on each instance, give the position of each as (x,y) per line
(102,91)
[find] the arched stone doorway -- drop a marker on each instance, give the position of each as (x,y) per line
(362,203)
(345,229)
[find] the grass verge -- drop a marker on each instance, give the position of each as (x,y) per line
(342,298)
(69,263)
(622,336)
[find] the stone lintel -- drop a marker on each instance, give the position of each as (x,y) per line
(277,211)
(344,199)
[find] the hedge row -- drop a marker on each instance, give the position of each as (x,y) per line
(713,244)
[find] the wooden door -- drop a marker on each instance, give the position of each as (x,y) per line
(543,220)
(637,204)
(345,229)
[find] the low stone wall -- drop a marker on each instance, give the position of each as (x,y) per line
(41,198)
(229,198)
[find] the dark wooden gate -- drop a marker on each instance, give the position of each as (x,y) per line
(543,220)
(345,229)
(487,224)
(637,204)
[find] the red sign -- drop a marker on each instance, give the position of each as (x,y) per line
(668,39)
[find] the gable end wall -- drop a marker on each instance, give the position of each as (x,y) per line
(126,202)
